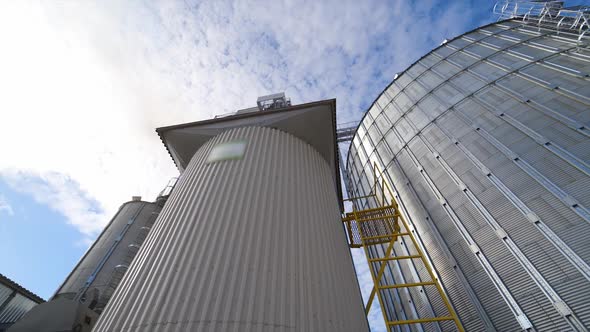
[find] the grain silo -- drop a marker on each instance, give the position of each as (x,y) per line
(485,142)
(251,238)
(83,295)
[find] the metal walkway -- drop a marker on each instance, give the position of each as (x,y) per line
(383,226)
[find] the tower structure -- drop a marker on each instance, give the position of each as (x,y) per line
(485,143)
(251,237)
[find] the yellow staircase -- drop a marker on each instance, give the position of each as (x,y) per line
(383,226)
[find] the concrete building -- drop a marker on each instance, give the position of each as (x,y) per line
(251,238)
(485,141)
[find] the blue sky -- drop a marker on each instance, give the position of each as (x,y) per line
(38,246)
(85,83)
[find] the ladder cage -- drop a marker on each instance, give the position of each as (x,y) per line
(377,225)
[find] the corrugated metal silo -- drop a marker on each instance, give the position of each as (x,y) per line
(250,240)
(88,288)
(99,271)
(486,142)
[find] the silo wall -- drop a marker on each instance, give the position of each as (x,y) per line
(87,289)
(253,243)
(97,274)
(485,141)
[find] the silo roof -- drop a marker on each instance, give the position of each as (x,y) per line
(314,123)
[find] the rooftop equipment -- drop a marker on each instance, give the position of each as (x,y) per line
(273,102)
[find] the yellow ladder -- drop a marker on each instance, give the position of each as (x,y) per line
(377,227)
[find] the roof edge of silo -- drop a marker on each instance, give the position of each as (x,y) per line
(330,156)
(397,75)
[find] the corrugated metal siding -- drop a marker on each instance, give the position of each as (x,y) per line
(5,293)
(15,301)
(16,308)
(250,244)
(505,145)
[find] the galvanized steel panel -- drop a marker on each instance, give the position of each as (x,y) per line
(5,293)
(16,308)
(503,120)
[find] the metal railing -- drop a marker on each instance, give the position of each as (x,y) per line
(547,14)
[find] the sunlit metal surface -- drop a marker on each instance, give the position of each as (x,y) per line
(486,142)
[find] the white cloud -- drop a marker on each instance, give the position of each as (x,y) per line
(62,195)
(76,107)
(84,84)
(5,206)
